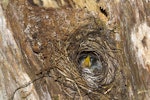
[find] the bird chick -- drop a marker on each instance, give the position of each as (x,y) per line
(86,62)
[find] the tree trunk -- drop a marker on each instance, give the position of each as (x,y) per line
(42,41)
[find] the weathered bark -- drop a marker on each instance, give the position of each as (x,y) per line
(38,41)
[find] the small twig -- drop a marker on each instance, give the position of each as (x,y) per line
(78,91)
(25,85)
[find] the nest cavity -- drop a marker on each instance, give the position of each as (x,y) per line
(96,41)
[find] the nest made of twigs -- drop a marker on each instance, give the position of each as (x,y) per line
(63,58)
(88,39)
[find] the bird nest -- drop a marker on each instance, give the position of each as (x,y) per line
(63,58)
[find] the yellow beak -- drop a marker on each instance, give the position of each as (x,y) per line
(86,62)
